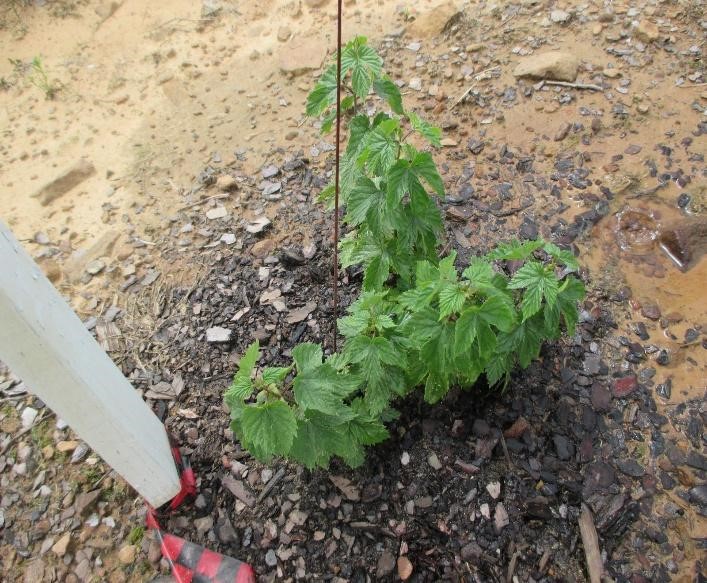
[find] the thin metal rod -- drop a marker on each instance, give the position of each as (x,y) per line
(336,172)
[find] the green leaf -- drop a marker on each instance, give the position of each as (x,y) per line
(479,272)
(318,437)
(451,300)
(389,91)
(268,429)
(307,356)
(382,385)
(365,428)
(498,311)
(465,329)
(405,176)
(497,368)
(377,273)
(324,93)
(381,147)
(275,374)
(431,133)
(524,340)
(539,282)
(364,198)
(365,349)
(422,325)
(515,250)
(447,271)
(572,291)
(363,62)
(552,320)
(436,387)
(562,255)
(241,388)
(353,324)
(359,126)
(248,360)
(324,389)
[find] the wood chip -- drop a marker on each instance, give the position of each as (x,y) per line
(590,540)
(346,487)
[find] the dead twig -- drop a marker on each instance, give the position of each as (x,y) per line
(512,566)
(271,484)
(574,85)
(203,200)
(693,85)
(590,540)
(505,452)
(477,77)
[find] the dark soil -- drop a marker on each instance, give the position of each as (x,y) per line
(564,444)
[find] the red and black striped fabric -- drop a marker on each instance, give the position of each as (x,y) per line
(192,563)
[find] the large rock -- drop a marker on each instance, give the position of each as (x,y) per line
(70,178)
(433,22)
(79,260)
(303,54)
(647,31)
(553,65)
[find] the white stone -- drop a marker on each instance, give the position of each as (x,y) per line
(217,334)
(218,212)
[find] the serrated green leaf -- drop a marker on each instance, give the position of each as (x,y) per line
(365,428)
(451,300)
(389,91)
(552,320)
(318,438)
(498,311)
(532,299)
(422,325)
(498,368)
(377,272)
(563,256)
(363,62)
(431,133)
(241,388)
(324,93)
(447,271)
(479,272)
(405,176)
(539,282)
(382,385)
(248,360)
(364,195)
(465,329)
(275,374)
(436,387)
(268,429)
(572,291)
(381,147)
(324,389)
(353,324)
(515,250)
(525,340)
(426,168)
(307,356)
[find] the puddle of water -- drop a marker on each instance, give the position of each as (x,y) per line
(658,251)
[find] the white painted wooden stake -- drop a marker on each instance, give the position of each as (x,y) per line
(44,343)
